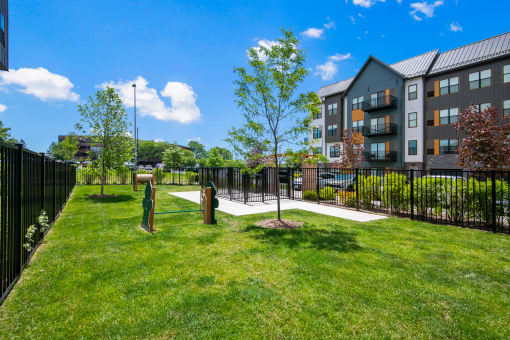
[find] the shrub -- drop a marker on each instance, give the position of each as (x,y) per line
(310,195)
(123,174)
(191,177)
(159,175)
(395,191)
(327,193)
(348,198)
(369,190)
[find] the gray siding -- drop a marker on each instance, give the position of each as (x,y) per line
(494,94)
(333,119)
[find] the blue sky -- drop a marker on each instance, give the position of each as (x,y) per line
(182,54)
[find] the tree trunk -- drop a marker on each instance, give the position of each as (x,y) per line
(102,179)
(277,180)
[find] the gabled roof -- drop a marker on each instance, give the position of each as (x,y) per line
(415,66)
(472,53)
(372,58)
(334,88)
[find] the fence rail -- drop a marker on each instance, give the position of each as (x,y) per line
(175,176)
(29,183)
(473,199)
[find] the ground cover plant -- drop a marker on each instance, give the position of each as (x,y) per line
(98,275)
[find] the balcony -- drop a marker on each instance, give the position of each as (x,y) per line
(379,103)
(390,156)
(379,129)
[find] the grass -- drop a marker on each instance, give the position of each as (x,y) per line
(99,276)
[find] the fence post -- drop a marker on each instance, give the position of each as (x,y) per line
(317,184)
(244,177)
(54,189)
(493,194)
(288,182)
(18,227)
(411,176)
(263,171)
(356,180)
(43,179)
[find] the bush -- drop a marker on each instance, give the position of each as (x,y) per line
(327,193)
(369,190)
(191,177)
(310,195)
(348,198)
(159,175)
(123,173)
(395,192)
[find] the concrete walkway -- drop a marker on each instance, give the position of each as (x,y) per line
(239,209)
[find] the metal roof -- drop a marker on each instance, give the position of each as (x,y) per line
(472,53)
(334,88)
(415,66)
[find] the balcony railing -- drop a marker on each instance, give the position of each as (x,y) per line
(389,156)
(380,129)
(379,103)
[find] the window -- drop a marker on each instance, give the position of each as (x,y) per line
(412,120)
(332,130)
(317,150)
(506,108)
(448,146)
(413,91)
(357,102)
(482,107)
(447,86)
(319,114)
(480,79)
(334,151)
(378,151)
(317,133)
(448,116)
(506,74)
(332,109)
(412,147)
(377,98)
(357,126)
(377,125)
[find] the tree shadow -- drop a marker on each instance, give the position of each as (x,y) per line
(109,199)
(307,238)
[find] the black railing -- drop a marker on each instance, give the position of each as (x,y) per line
(174,176)
(380,156)
(379,103)
(29,183)
(457,197)
(380,129)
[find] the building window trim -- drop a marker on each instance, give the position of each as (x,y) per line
(506,108)
(332,130)
(448,86)
(449,148)
(480,79)
(415,120)
(449,117)
(412,95)
(414,148)
(506,74)
(334,151)
(332,109)
(357,103)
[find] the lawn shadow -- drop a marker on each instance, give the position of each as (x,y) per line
(307,238)
(109,199)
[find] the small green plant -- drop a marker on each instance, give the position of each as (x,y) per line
(327,193)
(159,175)
(310,195)
(42,222)
(123,173)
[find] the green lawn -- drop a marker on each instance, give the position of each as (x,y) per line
(98,275)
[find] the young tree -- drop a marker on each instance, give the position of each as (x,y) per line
(64,150)
(215,159)
(176,157)
(275,113)
(107,125)
(351,151)
(225,153)
(485,145)
(198,149)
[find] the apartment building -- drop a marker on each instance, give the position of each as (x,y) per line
(405,111)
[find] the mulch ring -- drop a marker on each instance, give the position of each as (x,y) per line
(279,224)
(101,196)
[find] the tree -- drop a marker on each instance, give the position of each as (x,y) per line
(256,159)
(215,159)
(485,145)
(5,135)
(225,153)
(148,149)
(351,151)
(66,149)
(176,157)
(108,129)
(198,149)
(275,113)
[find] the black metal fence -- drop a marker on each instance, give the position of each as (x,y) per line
(474,199)
(29,183)
(177,176)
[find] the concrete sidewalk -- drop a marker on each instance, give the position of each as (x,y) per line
(239,209)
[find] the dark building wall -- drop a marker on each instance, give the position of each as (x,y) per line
(494,94)
(374,78)
(4,37)
(335,119)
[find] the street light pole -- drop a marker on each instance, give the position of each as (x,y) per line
(135,130)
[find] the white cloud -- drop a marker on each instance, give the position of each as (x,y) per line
(455,27)
(366,3)
(330,24)
(194,139)
(41,83)
(313,32)
(328,70)
(3,107)
(263,43)
(353,21)
(425,8)
(399,2)
(159,140)
(148,102)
